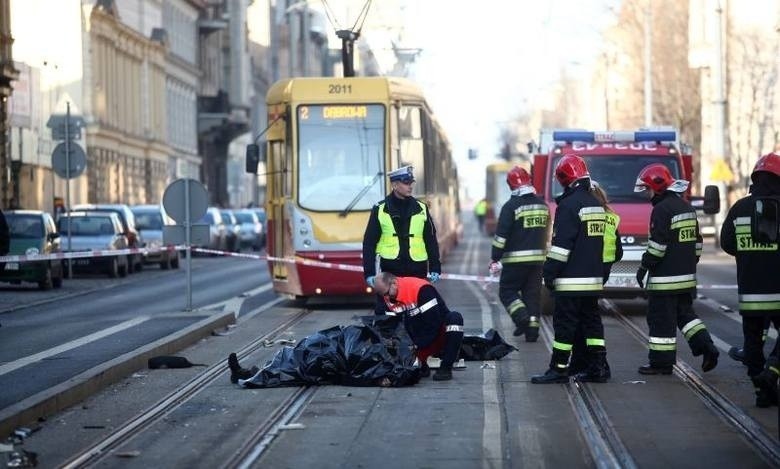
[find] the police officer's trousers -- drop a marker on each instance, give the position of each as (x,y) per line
(571,312)
(666,313)
(519,290)
(753,328)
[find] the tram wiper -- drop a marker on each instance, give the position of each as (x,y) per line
(360,195)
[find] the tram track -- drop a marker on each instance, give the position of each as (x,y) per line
(752,432)
(603,441)
(99,450)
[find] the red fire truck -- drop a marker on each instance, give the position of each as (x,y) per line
(614,160)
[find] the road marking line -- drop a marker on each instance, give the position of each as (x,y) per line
(224,304)
(14,365)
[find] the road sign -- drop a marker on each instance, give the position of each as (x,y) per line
(200,234)
(57,125)
(175,200)
(77,159)
(721,172)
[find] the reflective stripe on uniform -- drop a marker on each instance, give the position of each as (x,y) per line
(693,326)
(662,344)
(499,242)
(562,346)
(423,308)
(533,321)
(592,213)
(593,342)
(531,211)
(656,249)
(514,306)
(759,302)
(699,247)
(742,225)
(453,328)
(674,282)
(528,255)
(684,220)
(559,254)
(579,284)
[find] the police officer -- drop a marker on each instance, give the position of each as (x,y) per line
(433,328)
(758,266)
(518,253)
(401,232)
(672,253)
(480,210)
(574,271)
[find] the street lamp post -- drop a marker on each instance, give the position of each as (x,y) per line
(648,59)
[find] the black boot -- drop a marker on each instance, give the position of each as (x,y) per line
(521,327)
(766,388)
(236,372)
(710,359)
(425,370)
(651,369)
(737,354)
(444,373)
(551,376)
(597,370)
(532,334)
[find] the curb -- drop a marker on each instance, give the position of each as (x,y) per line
(89,382)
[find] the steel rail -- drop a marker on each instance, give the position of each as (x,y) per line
(754,434)
(605,446)
(175,399)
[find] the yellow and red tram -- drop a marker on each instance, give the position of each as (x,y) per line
(328,152)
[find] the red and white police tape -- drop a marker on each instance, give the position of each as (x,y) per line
(288,260)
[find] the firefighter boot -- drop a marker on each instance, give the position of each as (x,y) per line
(236,372)
(532,333)
(737,354)
(521,325)
(710,359)
(444,373)
(650,369)
(552,375)
(766,388)
(597,370)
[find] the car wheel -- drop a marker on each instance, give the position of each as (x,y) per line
(46,282)
(113,267)
(56,280)
(130,265)
(175,261)
(123,270)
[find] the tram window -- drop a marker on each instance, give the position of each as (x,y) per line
(409,122)
(412,151)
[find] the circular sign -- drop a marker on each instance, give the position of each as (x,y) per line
(175,200)
(76,159)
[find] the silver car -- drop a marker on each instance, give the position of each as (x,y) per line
(251,233)
(149,220)
(94,231)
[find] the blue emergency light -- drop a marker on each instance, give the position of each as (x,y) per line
(616,136)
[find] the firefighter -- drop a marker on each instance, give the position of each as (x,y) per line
(518,253)
(758,266)
(574,271)
(672,253)
(433,328)
(401,232)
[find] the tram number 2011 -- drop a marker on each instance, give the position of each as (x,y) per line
(339,89)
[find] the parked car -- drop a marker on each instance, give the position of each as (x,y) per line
(251,233)
(93,230)
(33,232)
(217,230)
(149,220)
(232,229)
(135,262)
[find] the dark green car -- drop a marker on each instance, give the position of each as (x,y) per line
(33,232)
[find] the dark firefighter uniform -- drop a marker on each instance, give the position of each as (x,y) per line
(673,251)
(574,271)
(434,329)
(402,234)
(758,266)
(519,244)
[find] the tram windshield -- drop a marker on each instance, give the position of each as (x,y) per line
(341,148)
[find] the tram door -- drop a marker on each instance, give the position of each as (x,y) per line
(277,197)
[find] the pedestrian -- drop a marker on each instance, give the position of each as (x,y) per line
(480,210)
(433,328)
(573,272)
(673,251)
(613,252)
(758,267)
(518,253)
(401,233)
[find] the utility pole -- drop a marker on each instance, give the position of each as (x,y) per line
(719,101)
(648,63)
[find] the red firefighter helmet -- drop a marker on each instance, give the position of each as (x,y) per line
(570,168)
(517,177)
(655,177)
(769,163)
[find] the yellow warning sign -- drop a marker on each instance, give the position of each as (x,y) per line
(721,172)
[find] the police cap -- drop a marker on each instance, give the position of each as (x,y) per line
(403,174)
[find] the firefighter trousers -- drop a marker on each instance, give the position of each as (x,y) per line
(570,313)
(753,328)
(519,290)
(667,313)
(446,346)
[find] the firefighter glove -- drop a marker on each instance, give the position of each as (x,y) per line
(433,277)
(641,274)
(495,267)
(370,281)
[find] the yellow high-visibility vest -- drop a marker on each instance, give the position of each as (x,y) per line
(388,246)
(610,236)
